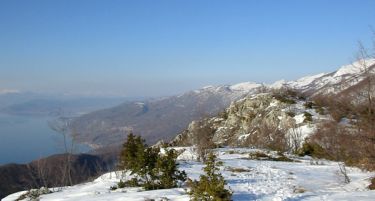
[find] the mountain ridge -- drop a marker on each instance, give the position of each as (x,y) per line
(162,119)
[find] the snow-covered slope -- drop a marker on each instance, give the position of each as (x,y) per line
(343,78)
(245,86)
(249,179)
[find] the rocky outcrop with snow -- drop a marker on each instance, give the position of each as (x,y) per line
(256,116)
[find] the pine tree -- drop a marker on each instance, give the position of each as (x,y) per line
(128,153)
(169,175)
(132,154)
(211,185)
(150,169)
(148,172)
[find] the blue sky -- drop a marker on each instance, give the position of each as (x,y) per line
(156,48)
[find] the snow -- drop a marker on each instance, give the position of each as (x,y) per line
(274,103)
(312,82)
(307,179)
(306,131)
(354,68)
(351,73)
(278,84)
(300,133)
(305,81)
(14,196)
(299,118)
(8,91)
(245,86)
(244,136)
(141,104)
(208,87)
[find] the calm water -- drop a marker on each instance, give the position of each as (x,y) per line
(26,138)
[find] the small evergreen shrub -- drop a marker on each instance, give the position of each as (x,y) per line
(314,150)
(308,117)
(34,194)
(223,114)
(134,182)
(151,170)
(291,114)
(211,185)
(301,97)
(167,170)
(232,152)
(285,100)
(220,163)
(308,105)
(121,184)
(132,154)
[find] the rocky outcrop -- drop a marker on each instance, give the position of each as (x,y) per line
(258,120)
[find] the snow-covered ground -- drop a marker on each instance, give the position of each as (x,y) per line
(306,179)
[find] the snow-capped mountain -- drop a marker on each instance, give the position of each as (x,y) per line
(245,117)
(161,119)
(335,82)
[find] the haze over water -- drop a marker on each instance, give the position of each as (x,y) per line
(27,138)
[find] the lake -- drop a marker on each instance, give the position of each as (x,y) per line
(26,138)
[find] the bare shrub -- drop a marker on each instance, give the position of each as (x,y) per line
(352,140)
(343,171)
(61,126)
(268,135)
(202,139)
(295,138)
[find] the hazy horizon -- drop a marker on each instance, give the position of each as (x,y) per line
(161,48)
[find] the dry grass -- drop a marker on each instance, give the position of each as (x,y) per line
(264,156)
(234,169)
(372,185)
(258,155)
(299,190)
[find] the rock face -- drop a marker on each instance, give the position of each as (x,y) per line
(259,120)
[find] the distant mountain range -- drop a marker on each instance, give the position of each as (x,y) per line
(52,105)
(156,119)
(162,119)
